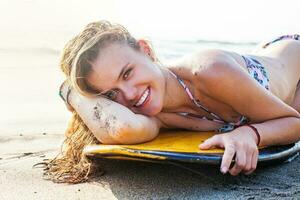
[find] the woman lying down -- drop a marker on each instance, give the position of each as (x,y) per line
(120,93)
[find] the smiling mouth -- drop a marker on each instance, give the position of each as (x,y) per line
(144,98)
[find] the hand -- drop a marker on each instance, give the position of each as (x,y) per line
(64,92)
(241,143)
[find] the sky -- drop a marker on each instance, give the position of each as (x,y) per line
(233,20)
(43,22)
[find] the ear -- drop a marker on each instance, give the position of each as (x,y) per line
(145,48)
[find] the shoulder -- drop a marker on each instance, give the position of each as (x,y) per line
(215,67)
(211,62)
(215,60)
(206,67)
(201,59)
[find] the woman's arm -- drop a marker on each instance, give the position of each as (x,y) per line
(113,123)
(279,131)
(276,122)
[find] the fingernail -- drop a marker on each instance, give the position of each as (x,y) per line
(224,170)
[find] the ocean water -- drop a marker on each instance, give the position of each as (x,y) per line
(172,49)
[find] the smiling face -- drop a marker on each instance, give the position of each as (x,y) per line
(129,77)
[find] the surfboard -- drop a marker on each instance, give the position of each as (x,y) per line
(182,146)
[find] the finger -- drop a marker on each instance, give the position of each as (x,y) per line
(211,143)
(254,162)
(248,167)
(227,157)
(240,162)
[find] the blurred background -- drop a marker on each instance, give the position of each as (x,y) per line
(33,33)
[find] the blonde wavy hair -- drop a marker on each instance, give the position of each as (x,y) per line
(71,165)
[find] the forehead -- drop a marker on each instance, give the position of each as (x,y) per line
(108,64)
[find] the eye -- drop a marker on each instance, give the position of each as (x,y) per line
(111,94)
(126,74)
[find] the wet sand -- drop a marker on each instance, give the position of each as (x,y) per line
(134,180)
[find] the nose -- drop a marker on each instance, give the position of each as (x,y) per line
(130,93)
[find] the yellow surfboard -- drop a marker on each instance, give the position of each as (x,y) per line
(181,146)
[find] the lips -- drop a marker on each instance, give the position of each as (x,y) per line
(143,99)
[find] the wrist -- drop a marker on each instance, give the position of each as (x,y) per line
(255,133)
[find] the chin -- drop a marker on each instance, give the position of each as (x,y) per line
(155,109)
(151,111)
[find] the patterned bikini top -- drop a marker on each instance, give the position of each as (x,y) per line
(255,69)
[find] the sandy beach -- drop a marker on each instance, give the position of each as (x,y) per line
(134,180)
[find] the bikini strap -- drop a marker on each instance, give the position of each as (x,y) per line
(197,103)
(294,37)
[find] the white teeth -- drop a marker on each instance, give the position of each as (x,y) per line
(143,98)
